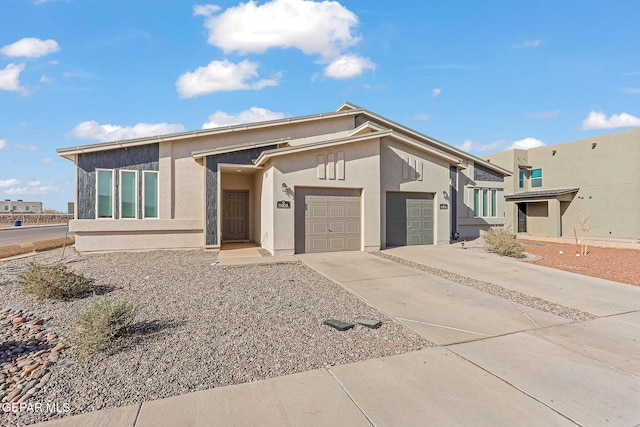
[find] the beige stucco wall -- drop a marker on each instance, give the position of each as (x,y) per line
(434,174)
(608,177)
(301,170)
(267,209)
(538,218)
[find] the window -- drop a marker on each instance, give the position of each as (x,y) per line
(476,202)
(150,194)
(536,178)
(485,202)
(6,207)
(521,179)
(104,193)
(494,202)
(13,208)
(26,208)
(128,194)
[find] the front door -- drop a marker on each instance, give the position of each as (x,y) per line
(522,217)
(235,213)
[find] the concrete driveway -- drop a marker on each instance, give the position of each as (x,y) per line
(499,362)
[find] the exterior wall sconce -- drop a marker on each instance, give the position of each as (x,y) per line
(285,187)
(594,145)
(553,152)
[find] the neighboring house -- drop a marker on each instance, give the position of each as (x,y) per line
(20,206)
(591,183)
(344,180)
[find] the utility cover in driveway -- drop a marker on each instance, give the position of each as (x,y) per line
(327,220)
(409,219)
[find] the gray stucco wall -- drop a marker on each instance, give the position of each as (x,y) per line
(144,157)
(244,157)
(481,173)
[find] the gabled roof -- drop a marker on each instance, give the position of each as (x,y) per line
(540,194)
(372,123)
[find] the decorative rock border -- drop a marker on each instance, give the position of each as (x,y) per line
(27,353)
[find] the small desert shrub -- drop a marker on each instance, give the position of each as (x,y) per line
(54,282)
(101,325)
(501,241)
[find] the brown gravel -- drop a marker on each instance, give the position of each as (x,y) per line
(619,265)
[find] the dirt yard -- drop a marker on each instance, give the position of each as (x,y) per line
(620,265)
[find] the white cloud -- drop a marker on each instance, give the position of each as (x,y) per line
(527,143)
(222,76)
(8,182)
(205,9)
(3,144)
(544,114)
(33,183)
(46,160)
(252,115)
(39,189)
(347,66)
(46,79)
(94,130)
(316,28)
(630,90)
(421,116)
(469,145)
(527,43)
(435,92)
(598,120)
(30,47)
(25,147)
(10,77)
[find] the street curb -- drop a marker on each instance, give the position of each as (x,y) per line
(43,245)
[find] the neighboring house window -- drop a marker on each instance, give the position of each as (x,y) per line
(536,178)
(150,194)
(13,208)
(26,208)
(485,202)
(521,179)
(128,194)
(6,208)
(104,193)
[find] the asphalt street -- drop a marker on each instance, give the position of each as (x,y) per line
(16,235)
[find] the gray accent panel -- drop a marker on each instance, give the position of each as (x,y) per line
(481,173)
(243,157)
(143,157)
(453,198)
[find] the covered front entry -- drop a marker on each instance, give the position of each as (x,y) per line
(327,220)
(235,207)
(409,219)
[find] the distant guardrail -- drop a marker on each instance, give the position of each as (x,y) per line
(34,218)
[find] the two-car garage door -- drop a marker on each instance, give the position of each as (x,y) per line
(327,220)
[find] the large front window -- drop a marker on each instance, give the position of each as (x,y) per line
(104,194)
(150,194)
(128,194)
(485,202)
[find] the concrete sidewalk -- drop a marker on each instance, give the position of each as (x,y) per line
(499,363)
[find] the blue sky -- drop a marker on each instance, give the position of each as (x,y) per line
(480,75)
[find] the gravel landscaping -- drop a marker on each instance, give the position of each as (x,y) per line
(198,326)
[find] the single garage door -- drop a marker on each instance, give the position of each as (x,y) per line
(327,220)
(409,219)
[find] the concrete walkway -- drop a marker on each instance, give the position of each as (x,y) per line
(498,363)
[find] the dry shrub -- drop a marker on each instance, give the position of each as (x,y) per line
(501,241)
(54,282)
(102,324)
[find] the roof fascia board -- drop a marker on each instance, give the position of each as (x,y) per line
(232,148)
(103,146)
(301,148)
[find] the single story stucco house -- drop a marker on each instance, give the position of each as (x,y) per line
(343,180)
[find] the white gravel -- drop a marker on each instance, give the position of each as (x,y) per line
(199,326)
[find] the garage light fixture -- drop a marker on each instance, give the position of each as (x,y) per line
(285,187)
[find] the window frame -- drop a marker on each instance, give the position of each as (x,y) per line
(521,178)
(144,195)
(113,191)
(536,180)
(135,193)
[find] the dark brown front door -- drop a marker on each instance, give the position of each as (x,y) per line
(235,214)
(522,217)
